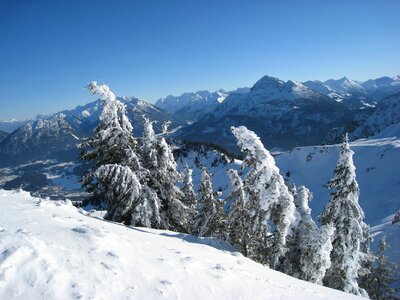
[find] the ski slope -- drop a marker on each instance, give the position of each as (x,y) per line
(52,250)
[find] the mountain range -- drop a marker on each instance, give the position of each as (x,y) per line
(57,135)
(285,114)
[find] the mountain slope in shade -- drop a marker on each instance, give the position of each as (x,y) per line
(42,138)
(354,94)
(51,250)
(386,113)
(3,135)
(283,114)
(57,135)
(11,125)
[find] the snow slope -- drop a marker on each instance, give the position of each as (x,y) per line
(50,250)
(377,162)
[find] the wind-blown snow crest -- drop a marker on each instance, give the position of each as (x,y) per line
(52,250)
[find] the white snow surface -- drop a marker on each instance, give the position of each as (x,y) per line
(377,162)
(52,250)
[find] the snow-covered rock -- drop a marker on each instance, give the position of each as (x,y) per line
(52,250)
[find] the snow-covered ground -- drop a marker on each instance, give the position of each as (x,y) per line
(52,250)
(377,162)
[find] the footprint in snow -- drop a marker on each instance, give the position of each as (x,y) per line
(2,229)
(165,282)
(187,259)
(112,254)
(218,267)
(88,230)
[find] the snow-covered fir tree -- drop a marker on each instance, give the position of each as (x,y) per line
(315,255)
(302,233)
(345,214)
(209,212)
(121,189)
(238,215)
(308,257)
(384,274)
(269,200)
(161,175)
(111,143)
(189,196)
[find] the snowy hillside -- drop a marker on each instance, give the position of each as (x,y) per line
(377,162)
(51,250)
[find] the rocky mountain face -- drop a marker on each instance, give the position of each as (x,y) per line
(191,107)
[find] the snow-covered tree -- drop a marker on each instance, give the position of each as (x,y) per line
(209,218)
(161,176)
(302,232)
(189,196)
(396,218)
(308,257)
(121,190)
(383,275)
(345,214)
(269,200)
(146,210)
(315,255)
(239,215)
(112,141)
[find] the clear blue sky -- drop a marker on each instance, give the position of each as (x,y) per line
(50,49)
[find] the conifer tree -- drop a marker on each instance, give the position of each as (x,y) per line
(345,214)
(239,215)
(315,255)
(309,247)
(383,275)
(270,201)
(111,145)
(160,175)
(209,221)
(189,198)
(121,190)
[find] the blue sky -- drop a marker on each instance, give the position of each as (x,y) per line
(50,49)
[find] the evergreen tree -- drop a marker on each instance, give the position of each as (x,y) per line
(189,198)
(345,214)
(160,175)
(315,255)
(269,200)
(121,190)
(302,232)
(111,151)
(238,216)
(383,275)
(209,220)
(309,248)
